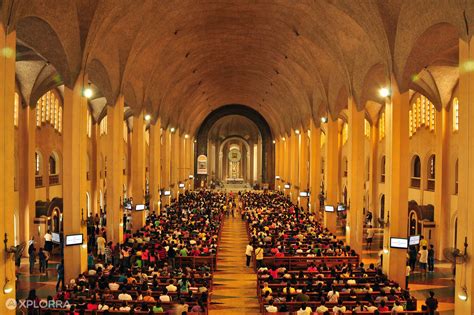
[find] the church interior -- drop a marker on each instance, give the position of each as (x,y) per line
(150,147)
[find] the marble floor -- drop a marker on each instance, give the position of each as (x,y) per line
(235,285)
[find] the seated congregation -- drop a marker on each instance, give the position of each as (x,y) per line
(303,268)
(164,266)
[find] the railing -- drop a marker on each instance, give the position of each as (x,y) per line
(415,182)
(39,181)
(431,184)
(53,180)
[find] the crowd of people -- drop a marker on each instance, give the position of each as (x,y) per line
(143,272)
(277,228)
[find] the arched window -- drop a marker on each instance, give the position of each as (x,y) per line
(415,171)
(431,173)
(456,176)
(422,113)
(455,114)
(345,133)
(367,128)
(382,170)
(49,110)
(103,126)
(16,109)
(52,165)
(382,126)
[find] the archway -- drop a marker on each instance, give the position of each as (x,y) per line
(268,161)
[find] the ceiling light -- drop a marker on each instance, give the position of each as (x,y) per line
(172,129)
(186,136)
(463,295)
(88,92)
(324,119)
(384,92)
(274,141)
(297,131)
(283,138)
(147,117)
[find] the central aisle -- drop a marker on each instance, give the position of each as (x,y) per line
(234,289)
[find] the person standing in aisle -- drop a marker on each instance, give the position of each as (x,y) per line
(259,256)
(431,258)
(248,253)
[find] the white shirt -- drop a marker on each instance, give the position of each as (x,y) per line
(336,309)
(114,286)
(48,237)
(125,297)
(249,250)
(307,311)
(423,256)
(370,233)
(165,298)
(322,309)
(171,288)
(272,309)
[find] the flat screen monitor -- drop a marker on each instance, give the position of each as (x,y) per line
(414,240)
(304,194)
(139,207)
(287,186)
(167,193)
(181,185)
(341,207)
(397,242)
(74,239)
(56,238)
(329,208)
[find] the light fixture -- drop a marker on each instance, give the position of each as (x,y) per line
(297,131)
(277,177)
(172,129)
(385,250)
(283,138)
(186,136)
(8,287)
(147,117)
(384,92)
(463,295)
(324,119)
(88,92)
(191,176)
(274,141)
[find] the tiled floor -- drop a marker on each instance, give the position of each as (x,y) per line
(235,285)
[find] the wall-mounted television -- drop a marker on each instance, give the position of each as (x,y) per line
(167,193)
(287,186)
(341,207)
(398,242)
(56,238)
(414,240)
(329,208)
(181,185)
(139,207)
(304,193)
(74,239)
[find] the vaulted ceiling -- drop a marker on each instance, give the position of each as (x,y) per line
(292,61)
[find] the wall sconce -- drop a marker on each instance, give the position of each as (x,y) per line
(463,295)
(8,287)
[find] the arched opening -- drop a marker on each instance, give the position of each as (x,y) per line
(53,168)
(415,172)
(382,170)
(431,175)
(38,169)
(382,207)
(265,167)
(413,223)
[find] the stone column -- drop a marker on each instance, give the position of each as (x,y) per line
(315,167)
(441,182)
(26,184)
(397,178)
(94,169)
(138,169)
(7,162)
(294,167)
(464,273)
(356,177)
(303,167)
(174,161)
(114,180)
(374,170)
(74,176)
(155,165)
(332,187)
(165,164)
